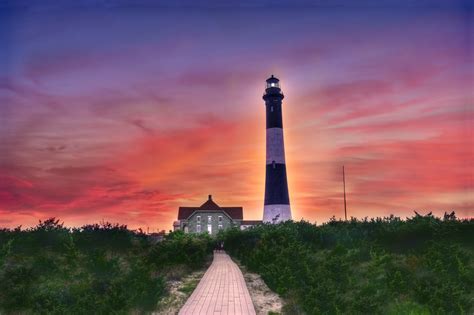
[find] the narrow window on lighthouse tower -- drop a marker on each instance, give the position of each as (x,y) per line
(273,164)
(271,109)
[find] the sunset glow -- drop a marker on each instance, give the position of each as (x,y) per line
(124,114)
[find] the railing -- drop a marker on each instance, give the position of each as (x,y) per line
(272,85)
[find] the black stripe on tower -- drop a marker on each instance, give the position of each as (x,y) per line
(276,186)
(274,115)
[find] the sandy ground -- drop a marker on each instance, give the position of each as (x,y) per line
(179,291)
(264,300)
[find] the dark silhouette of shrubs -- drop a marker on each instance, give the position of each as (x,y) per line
(96,269)
(422,265)
(180,249)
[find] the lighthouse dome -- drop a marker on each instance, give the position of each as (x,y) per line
(273,82)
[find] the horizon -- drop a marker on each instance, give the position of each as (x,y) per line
(122,113)
(145,230)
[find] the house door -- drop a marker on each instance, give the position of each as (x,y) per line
(209,228)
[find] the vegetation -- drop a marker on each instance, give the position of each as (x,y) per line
(101,268)
(424,265)
(189,287)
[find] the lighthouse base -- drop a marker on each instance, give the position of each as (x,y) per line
(276,213)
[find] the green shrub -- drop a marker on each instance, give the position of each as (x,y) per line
(100,269)
(178,248)
(385,265)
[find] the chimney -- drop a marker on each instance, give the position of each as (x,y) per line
(210,197)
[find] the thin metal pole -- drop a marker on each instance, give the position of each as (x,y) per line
(344,183)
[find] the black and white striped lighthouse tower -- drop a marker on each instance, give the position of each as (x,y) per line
(277,200)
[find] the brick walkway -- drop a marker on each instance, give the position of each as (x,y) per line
(222,290)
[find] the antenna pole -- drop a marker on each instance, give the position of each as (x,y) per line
(344,184)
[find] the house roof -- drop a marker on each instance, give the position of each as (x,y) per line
(185,212)
(210,205)
(235,213)
(251,222)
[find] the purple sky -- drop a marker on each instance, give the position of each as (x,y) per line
(125,110)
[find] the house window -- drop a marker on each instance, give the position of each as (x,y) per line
(198,228)
(198,218)
(220,226)
(209,219)
(220,218)
(186,229)
(209,228)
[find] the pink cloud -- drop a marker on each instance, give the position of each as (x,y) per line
(97,127)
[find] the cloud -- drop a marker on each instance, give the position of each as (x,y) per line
(128,125)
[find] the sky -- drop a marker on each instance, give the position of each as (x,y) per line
(123,111)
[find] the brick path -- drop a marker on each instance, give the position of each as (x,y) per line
(222,290)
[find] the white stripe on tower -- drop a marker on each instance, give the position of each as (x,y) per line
(276,213)
(275,146)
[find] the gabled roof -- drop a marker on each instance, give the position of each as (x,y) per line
(235,213)
(210,205)
(185,212)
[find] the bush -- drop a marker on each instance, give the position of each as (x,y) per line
(178,248)
(385,265)
(100,268)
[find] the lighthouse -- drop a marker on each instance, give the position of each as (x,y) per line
(277,200)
